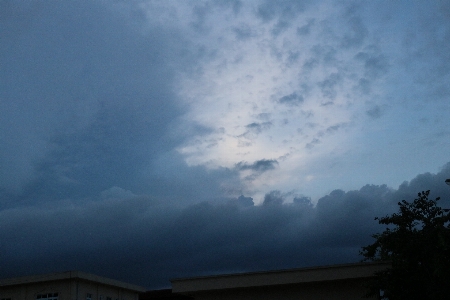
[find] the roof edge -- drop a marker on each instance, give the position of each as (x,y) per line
(282,270)
(70,275)
(278,277)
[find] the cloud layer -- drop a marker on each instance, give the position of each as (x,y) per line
(148,241)
(146,140)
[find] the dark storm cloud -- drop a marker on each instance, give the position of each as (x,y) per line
(66,84)
(253,129)
(280,27)
(112,150)
(291,99)
(201,12)
(332,129)
(87,103)
(146,241)
(375,112)
(306,29)
(273,198)
(244,32)
(244,201)
(324,53)
(259,166)
(293,57)
(357,31)
(258,127)
(284,9)
(426,52)
(235,5)
(303,200)
(375,65)
(328,86)
(364,86)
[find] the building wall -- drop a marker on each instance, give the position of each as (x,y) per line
(346,281)
(102,292)
(336,290)
(67,290)
(164,294)
(31,290)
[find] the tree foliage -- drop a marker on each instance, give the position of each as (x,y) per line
(417,244)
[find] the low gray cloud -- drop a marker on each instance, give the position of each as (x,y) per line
(280,27)
(147,241)
(303,200)
(244,32)
(357,31)
(332,129)
(364,86)
(324,53)
(328,85)
(283,10)
(258,166)
(89,104)
(306,29)
(375,112)
(71,95)
(312,143)
(426,53)
(254,129)
(273,198)
(258,127)
(375,65)
(243,201)
(291,99)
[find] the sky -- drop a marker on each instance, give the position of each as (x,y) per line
(150,140)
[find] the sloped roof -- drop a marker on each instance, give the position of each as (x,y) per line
(70,275)
(279,277)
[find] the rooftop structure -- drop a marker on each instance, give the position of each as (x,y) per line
(73,285)
(328,282)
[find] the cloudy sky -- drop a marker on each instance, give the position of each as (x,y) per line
(148,140)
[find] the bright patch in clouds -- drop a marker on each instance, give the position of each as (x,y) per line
(293,92)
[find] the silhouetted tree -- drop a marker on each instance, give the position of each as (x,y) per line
(417,244)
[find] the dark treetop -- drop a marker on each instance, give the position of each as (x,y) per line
(417,243)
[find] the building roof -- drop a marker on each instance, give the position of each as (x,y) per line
(70,275)
(280,277)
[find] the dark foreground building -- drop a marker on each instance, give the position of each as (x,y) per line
(71,285)
(329,282)
(165,294)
